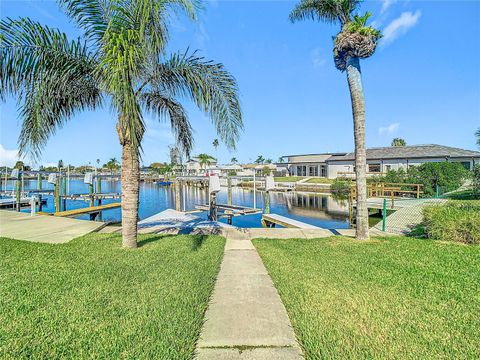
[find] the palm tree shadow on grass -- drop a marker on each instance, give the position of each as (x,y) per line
(197,240)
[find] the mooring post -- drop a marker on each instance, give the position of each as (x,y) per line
(18,191)
(229,190)
(64,192)
(39,181)
(177,196)
(57,194)
(267,202)
(384,215)
(40,202)
(90,192)
(99,200)
(213,207)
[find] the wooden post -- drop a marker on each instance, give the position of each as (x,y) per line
(99,200)
(39,181)
(64,193)
(18,191)
(418,191)
(40,202)
(213,207)
(177,196)
(267,202)
(384,215)
(229,190)
(57,194)
(91,193)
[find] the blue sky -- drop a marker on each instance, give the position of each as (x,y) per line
(422,84)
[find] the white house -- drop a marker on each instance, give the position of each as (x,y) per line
(379,160)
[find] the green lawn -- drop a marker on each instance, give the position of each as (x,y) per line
(288,178)
(388,298)
(92,299)
(320,180)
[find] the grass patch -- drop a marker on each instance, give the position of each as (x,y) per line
(468,194)
(92,299)
(320,181)
(457,220)
(387,298)
(288,178)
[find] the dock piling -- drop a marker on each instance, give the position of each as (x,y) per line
(39,181)
(229,190)
(177,196)
(18,191)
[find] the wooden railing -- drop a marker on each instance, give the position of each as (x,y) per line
(390,190)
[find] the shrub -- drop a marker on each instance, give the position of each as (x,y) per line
(341,187)
(447,175)
(454,221)
(476,180)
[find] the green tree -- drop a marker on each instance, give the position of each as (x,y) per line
(477,134)
(281,160)
(205,160)
(60,165)
(234,160)
(112,165)
(121,62)
(215,144)
(260,159)
(19,165)
(355,41)
(398,142)
(268,161)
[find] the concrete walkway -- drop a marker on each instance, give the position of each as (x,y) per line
(246,318)
(43,228)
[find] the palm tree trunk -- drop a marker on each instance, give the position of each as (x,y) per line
(358,108)
(130,188)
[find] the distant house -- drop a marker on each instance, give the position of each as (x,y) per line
(379,160)
(194,167)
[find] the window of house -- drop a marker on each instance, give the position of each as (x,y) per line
(301,171)
(466,164)
(388,167)
(374,168)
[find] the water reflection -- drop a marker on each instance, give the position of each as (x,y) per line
(316,209)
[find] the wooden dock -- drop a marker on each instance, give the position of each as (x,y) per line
(92,210)
(10,203)
(95,196)
(270,220)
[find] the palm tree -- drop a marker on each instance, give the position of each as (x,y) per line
(215,144)
(120,62)
(477,134)
(281,160)
(355,41)
(398,142)
(205,160)
(233,160)
(112,165)
(260,159)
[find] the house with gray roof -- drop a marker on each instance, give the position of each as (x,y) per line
(379,160)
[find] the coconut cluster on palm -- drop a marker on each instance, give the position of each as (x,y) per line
(355,40)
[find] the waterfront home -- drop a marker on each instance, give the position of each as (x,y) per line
(379,160)
(193,166)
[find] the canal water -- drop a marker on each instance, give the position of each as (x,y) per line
(316,209)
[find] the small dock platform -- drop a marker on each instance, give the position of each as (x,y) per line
(10,203)
(44,229)
(96,196)
(270,220)
(92,210)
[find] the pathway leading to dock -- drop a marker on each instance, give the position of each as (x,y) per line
(246,318)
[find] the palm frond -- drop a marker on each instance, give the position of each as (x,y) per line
(165,107)
(328,11)
(49,102)
(29,50)
(51,76)
(212,88)
(93,16)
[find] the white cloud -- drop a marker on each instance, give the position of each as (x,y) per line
(400,26)
(386,4)
(8,157)
(317,59)
(389,130)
